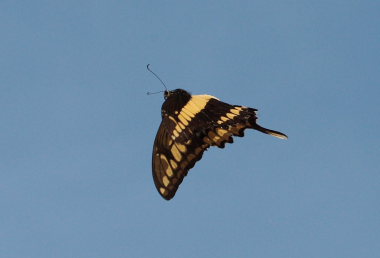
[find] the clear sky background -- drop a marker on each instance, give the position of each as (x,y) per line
(77,128)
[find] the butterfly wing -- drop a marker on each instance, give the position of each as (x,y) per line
(173,157)
(182,138)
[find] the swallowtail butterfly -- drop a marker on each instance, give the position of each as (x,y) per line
(191,124)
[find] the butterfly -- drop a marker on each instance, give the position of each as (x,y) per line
(190,125)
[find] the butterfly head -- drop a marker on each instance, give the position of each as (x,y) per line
(177,93)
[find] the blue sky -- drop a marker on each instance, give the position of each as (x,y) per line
(77,128)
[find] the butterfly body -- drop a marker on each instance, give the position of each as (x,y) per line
(191,124)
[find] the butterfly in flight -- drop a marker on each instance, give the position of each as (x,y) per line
(190,125)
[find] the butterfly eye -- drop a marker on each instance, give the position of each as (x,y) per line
(166,94)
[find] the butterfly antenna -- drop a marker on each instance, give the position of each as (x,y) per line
(151,93)
(166,89)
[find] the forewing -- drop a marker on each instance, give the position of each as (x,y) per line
(173,157)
